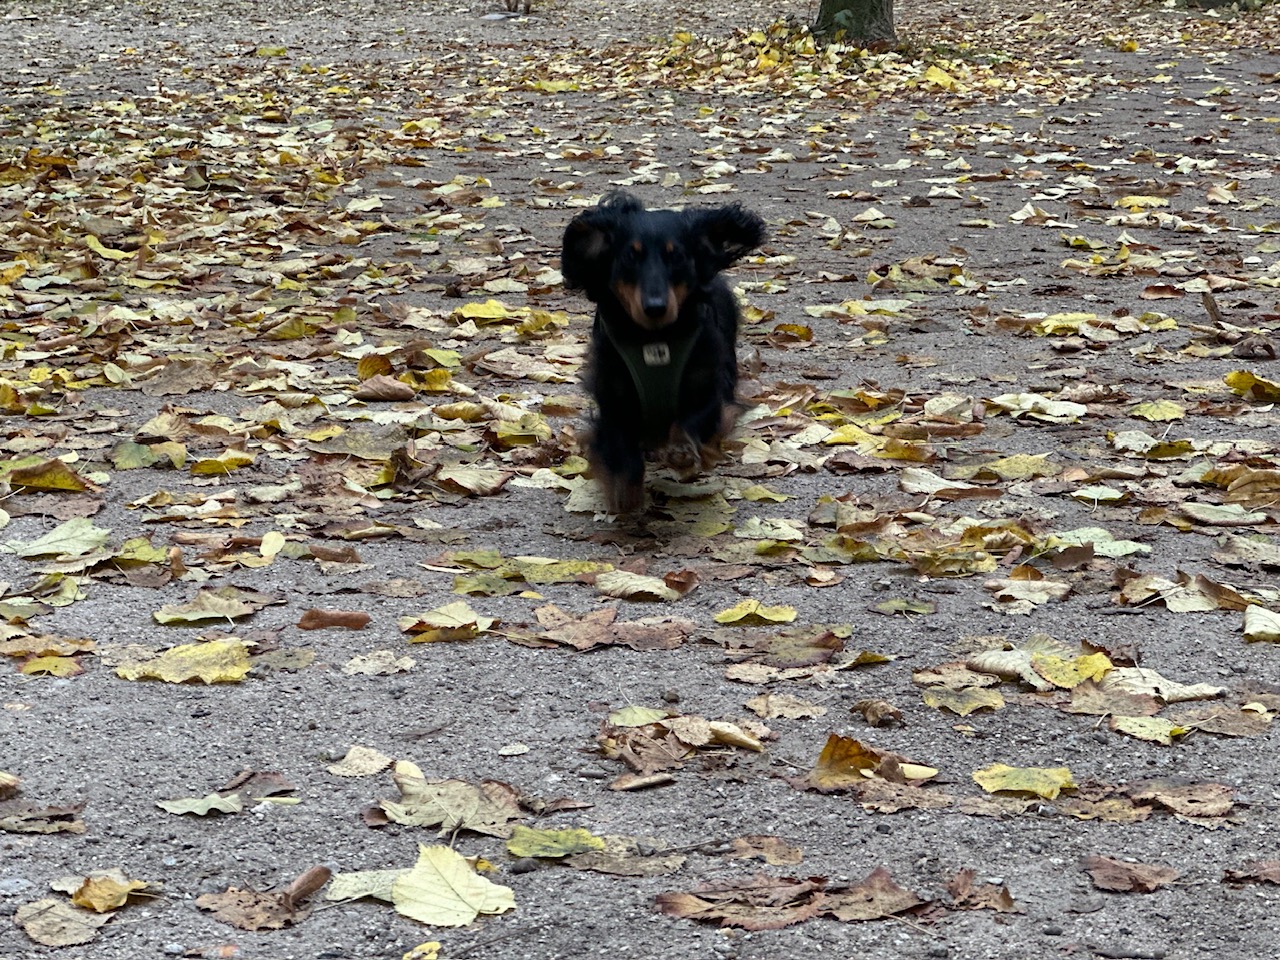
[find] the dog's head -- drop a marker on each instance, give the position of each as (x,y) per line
(651,260)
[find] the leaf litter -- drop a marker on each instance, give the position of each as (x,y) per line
(297,321)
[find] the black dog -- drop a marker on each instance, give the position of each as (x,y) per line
(663,366)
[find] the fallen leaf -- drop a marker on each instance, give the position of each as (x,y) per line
(58,923)
(360,762)
(760,903)
(443,890)
(551,844)
(106,890)
(772,850)
(452,805)
(214,661)
(966,895)
(871,898)
(203,806)
(751,612)
(1044,782)
(1119,876)
(316,619)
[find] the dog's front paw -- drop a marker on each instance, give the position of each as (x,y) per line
(622,496)
(682,453)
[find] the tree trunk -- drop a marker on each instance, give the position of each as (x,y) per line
(863,21)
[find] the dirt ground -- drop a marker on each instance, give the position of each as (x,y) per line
(222,223)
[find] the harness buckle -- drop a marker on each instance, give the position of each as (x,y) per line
(656,354)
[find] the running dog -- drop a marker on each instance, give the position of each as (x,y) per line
(663,366)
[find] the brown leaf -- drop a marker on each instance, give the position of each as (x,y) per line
(306,886)
(772,705)
(1095,700)
(1255,871)
(317,619)
(878,713)
(801,647)
(1108,874)
(381,387)
(598,629)
(636,781)
(881,796)
(627,857)
(1186,799)
(772,850)
(17,817)
(966,895)
(252,909)
(253,785)
(58,923)
(1226,721)
(875,896)
(761,903)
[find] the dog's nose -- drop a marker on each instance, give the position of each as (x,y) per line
(655,308)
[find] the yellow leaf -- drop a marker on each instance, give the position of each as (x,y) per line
(1249,385)
(223,463)
(215,661)
(853,434)
(443,890)
(1135,202)
(1153,729)
(94,244)
(51,667)
(963,702)
(47,475)
(489,310)
(423,951)
(453,621)
(732,735)
(751,612)
(1044,782)
(272,543)
(106,891)
(1070,673)
(757,492)
(844,762)
(940,78)
(637,716)
(532,842)
(1159,411)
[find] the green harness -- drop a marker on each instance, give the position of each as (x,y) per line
(656,369)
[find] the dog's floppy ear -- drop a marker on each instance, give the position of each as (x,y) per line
(724,236)
(586,257)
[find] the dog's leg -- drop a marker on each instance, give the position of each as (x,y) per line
(617,462)
(694,444)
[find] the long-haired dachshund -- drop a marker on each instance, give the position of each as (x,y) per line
(663,366)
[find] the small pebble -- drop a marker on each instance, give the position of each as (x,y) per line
(884,829)
(1053,930)
(174,949)
(671,696)
(526,865)
(938,950)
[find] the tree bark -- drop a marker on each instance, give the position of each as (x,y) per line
(863,21)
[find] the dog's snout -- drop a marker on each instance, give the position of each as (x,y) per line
(655,305)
